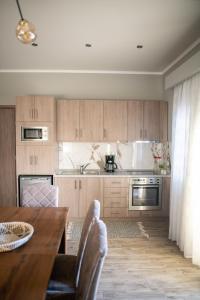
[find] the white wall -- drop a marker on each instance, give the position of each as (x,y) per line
(80,86)
(184,71)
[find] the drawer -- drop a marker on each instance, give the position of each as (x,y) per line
(115,182)
(115,212)
(115,202)
(115,192)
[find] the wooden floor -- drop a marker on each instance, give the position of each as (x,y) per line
(153,268)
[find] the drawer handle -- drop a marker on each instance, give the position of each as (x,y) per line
(115,193)
(116,182)
(115,213)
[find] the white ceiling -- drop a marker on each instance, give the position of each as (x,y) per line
(114,28)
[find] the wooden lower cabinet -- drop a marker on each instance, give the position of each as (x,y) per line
(77,194)
(35,159)
(115,197)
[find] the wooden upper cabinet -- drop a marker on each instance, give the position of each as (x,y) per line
(67,120)
(35,108)
(24,108)
(115,121)
(91,120)
(163,121)
(147,120)
(44,109)
(151,120)
(135,120)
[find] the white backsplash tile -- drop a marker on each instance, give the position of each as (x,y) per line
(127,155)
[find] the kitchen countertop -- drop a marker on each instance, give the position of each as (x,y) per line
(98,173)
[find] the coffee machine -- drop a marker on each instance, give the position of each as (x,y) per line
(110,164)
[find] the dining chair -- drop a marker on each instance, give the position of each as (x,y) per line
(66,270)
(92,263)
(39,195)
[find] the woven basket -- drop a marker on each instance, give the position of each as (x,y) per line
(14,235)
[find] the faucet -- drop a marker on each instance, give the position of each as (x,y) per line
(83,167)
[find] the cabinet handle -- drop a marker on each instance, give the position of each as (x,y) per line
(36,160)
(80,185)
(80,132)
(76,133)
(145,133)
(115,182)
(140,133)
(31,160)
(115,202)
(36,113)
(116,213)
(75,186)
(115,193)
(32,115)
(104,133)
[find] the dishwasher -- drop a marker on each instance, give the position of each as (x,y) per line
(31,179)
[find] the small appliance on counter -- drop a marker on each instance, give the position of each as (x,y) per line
(110,164)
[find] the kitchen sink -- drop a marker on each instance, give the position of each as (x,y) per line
(91,172)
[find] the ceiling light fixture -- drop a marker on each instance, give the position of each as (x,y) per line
(25,30)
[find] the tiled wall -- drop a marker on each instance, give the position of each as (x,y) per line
(127,155)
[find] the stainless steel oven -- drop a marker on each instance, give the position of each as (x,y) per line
(34,133)
(145,193)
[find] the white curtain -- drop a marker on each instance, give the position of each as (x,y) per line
(185,181)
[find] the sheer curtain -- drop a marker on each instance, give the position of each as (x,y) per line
(185,183)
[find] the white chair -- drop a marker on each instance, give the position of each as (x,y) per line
(66,271)
(39,195)
(91,267)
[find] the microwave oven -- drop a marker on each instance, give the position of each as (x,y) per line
(34,133)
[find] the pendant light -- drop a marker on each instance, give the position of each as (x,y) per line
(25,31)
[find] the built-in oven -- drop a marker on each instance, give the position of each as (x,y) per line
(145,193)
(34,133)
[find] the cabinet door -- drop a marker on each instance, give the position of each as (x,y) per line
(90,189)
(25,160)
(163,121)
(67,120)
(115,121)
(151,120)
(68,194)
(25,109)
(135,120)
(91,121)
(44,159)
(44,109)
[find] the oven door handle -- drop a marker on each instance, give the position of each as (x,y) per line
(145,185)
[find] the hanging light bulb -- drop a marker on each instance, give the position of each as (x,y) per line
(25,31)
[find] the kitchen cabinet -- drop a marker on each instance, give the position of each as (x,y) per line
(115,121)
(91,121)
(35,108)
(115,197)
(67,120)
(35,159)
(77,193)
(147,120)
(163,121)
(79,120)
(68,194)
(151,121)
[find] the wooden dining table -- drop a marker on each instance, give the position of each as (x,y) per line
(25,271)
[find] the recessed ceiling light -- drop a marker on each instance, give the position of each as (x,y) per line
(88,45)
(139,46)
